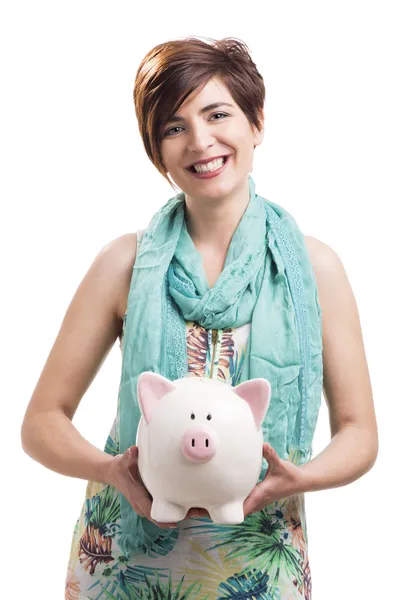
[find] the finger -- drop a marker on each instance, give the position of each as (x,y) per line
(130,458)
(250,510)
(254,498)
(131,454)
(252,504)
(248,507)
(134,473)
(269,453)
(257,491)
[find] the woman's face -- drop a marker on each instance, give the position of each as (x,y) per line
(224,130)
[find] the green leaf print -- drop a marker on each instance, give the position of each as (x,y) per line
(252,584)
(150,539)
(156,590)
(111,447)
(103,509)
(259,540)
(122,583)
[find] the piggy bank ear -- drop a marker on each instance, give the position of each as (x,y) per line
(151,387)
(257,393)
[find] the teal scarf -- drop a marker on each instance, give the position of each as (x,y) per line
(267,280)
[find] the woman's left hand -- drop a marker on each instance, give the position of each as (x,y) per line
(283,479)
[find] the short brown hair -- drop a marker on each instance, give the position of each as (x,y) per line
(172,71)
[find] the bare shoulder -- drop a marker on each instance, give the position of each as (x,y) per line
(321,255)
(329,271)
(119,257)
(334,289)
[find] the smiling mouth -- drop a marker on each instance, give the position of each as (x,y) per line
(193,170)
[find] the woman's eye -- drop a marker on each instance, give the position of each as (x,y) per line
(168,134)
(215,114)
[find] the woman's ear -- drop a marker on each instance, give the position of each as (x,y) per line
(259,133)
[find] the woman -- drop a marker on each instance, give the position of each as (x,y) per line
(255,298)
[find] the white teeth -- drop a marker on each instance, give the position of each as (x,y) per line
(211,166)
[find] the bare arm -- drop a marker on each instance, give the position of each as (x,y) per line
(89,329)
(347,388)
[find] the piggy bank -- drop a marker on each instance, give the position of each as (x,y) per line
(200,444)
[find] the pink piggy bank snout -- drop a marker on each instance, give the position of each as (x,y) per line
(198,444)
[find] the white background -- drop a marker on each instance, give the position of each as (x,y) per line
(75,176)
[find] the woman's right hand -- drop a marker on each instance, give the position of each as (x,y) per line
(124,475)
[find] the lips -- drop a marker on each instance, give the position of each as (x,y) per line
(209,174)
(204,162)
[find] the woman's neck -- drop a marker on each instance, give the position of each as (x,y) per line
(211,224)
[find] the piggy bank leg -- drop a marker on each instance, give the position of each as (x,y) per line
(164,511)
(229,513)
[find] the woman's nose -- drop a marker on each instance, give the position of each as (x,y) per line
(199,139)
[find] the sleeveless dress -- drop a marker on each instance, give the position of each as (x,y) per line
(270,547)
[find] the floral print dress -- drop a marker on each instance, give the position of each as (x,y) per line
(265,557)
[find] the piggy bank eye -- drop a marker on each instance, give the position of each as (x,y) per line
(192,416)
(209,417)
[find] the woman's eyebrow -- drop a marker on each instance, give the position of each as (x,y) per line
(176,118)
